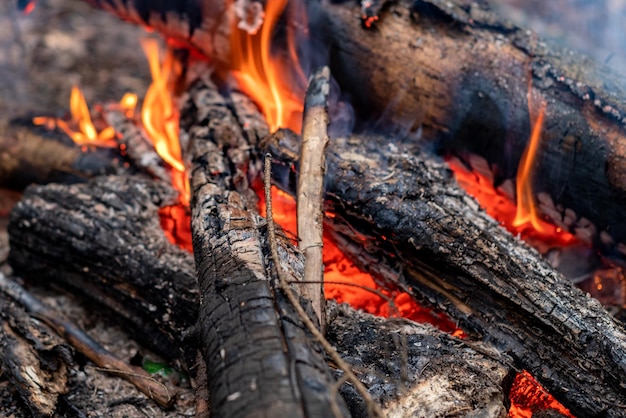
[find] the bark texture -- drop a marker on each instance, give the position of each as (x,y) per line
(460,76)
(404,209)
(260,359)
(103,240)
(34,359)
(416,370)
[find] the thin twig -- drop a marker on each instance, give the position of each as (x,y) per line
(86,345)
(373,408)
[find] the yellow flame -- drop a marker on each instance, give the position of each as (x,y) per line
(526,207)
(160,115)
(81,128)
(267,78)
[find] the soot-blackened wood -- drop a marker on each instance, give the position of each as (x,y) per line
(461,75)
(260,359)
(32,358)
(415,369)
(31,154)
(405,208)
(103,240)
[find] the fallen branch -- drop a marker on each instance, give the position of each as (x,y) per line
(310,195)
(31,354)
(87,345)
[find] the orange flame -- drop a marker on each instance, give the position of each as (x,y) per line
(160,116)
(274,83)
(85,133)
(526,208)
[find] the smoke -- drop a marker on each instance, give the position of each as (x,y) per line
(593,27)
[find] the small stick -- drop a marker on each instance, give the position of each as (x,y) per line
(86,345)
(373,408)
(311,187)
(135,143)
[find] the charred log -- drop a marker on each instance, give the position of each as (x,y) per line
(30,154)
(260,358)
(416,370)
(431,239)
(103,240)
(461,75)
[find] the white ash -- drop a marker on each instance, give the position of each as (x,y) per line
(250,15)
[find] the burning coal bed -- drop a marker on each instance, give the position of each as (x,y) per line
(162,217)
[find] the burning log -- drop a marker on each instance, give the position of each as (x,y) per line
(461,75)
(103,240)
(404,209)
(29,154)
(136,145)
(259,355)
(416,370)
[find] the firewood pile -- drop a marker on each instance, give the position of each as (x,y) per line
(235,304)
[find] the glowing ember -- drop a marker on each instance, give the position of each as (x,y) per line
(528,397)
(81,128)
(276,84)
(522,219)
(128,104)
(159,115)
(346,283)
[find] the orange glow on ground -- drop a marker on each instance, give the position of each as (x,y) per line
(80,128)
(528,396)
(275,83)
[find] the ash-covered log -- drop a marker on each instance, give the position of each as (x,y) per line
(103,240)
(403,208)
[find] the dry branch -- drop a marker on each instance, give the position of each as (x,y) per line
(310,194)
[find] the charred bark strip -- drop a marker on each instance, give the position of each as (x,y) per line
(33,358)
(103,240)
(405,209)
(260,359)
(29,154)
(416,370)
(461,74)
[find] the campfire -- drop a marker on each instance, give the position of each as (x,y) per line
(329,209)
